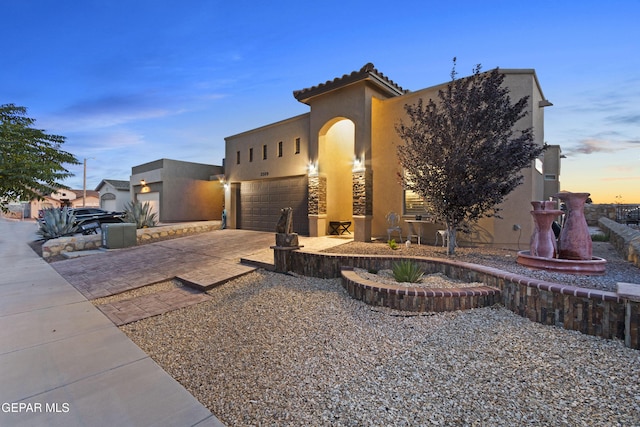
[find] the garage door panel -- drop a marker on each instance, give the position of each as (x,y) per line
(261,202)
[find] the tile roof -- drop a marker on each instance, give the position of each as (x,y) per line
(368,72)
(117,184)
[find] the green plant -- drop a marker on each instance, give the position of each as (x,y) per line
(407,271)
(56,223)
(392,244)
(599,237)
(140,214)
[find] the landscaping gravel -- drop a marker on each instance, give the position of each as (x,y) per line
(617,269)
(278,349)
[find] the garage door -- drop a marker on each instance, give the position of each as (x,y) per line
(154,201)
(261,201)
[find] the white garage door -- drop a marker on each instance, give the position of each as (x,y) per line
(261,202)
(153,199)
(109,204)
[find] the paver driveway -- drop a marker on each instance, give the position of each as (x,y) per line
(210,257)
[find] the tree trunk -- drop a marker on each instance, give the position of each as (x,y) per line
(451,247)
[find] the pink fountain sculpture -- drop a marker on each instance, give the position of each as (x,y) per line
(573,251)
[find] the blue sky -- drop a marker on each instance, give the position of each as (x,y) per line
(128,82)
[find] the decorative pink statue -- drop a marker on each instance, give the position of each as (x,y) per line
(575,240)
(543,240)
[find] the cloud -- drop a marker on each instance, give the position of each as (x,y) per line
(593,145)
(112,111)
(122,109)
(622,178)
(625,119)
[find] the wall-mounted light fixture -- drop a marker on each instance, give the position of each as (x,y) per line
(313,168)
(358,164)
(143,182)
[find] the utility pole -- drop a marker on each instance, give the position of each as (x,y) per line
(84,184)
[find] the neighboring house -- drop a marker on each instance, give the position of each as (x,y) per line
(92,199)
(62,198)
(114,194)
(338,162)
(179,191)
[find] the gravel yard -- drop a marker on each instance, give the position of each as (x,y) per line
(276,349)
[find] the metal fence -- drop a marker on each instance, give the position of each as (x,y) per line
(628,214)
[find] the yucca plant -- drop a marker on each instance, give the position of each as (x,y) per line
(407,271)
(56,223)
(140,214)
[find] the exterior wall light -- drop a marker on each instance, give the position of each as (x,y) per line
(313,168)
(358,164)
(143,182)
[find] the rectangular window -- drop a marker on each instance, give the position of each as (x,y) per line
(237,157)
(297,145)
(413,203)
(264,152)
(250,154)
(280,149)
(549,177)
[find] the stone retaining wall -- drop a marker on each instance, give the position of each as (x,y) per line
(624,239)
(76,243)
(593,312)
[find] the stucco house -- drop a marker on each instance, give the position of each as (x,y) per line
(179,191)
(338,163)
(62,198)
(114,194)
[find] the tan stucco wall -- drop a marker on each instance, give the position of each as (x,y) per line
(290,164)
(375,117)
(388,192)
(187,191)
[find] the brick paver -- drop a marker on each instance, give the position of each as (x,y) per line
(202,261)
(134,309)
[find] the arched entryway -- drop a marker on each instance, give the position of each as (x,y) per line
(336,141)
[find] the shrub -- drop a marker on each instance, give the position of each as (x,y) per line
(56,223)
(392,244)
(140,214)
(599,237)
(407,271)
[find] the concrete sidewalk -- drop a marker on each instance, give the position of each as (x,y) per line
(63,363)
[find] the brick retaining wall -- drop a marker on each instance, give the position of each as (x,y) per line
(592,312)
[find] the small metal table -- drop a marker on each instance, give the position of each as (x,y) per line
(412,231)
(339,227)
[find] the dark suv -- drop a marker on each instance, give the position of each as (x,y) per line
(86,215)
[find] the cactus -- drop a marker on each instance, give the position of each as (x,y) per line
(56,223)
(140,214)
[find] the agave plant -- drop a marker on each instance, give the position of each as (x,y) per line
(140,214)
(407,271)
(56,223)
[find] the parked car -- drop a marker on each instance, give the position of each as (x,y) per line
(85,215)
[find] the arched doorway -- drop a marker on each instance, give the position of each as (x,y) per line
(336,142)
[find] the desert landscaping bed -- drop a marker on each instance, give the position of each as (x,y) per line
(281,349)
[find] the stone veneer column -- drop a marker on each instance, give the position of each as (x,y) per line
(362,204)
(317,205)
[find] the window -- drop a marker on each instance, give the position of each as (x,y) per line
(237,157)
(413,203)
(251,154)
(297,146)
(549,177)
(264,152)
(280,149)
